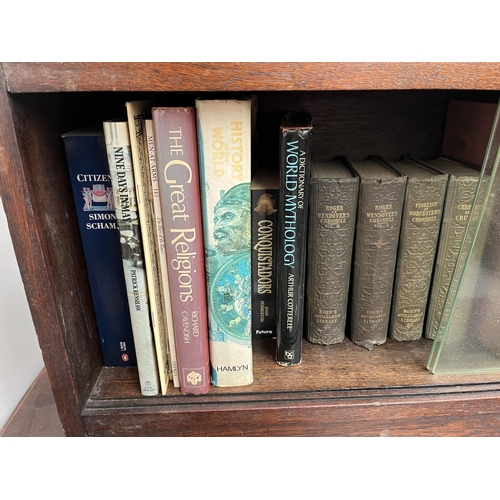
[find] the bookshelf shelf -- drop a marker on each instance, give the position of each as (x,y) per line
(361,108)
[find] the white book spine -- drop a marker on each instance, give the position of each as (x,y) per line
(118,148)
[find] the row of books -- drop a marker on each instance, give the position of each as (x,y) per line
(215,254)
(410,223)
(383,239)
(165,226)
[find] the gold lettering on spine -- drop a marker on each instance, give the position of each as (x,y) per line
(181,237)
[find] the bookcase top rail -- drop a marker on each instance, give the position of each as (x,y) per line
(247,76)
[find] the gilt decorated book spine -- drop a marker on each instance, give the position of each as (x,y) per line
(295,172)
(122,179)
(420,225)
(380,203)
(224,142)
(332,219)
(177,159)
(462,185)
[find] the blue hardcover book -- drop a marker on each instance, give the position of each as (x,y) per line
(89,172)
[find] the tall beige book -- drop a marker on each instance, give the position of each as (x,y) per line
(136,115)
(117,139)
(161,252)
(224,144)
(462,185)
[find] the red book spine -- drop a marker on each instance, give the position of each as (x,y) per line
(178,174)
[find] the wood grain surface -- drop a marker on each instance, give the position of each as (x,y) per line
(70,77)
(337,390)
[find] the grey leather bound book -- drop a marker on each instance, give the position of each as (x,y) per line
(420,224)
(462,184)
(380,203)
(333,199)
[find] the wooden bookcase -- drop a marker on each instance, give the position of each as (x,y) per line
(358,109)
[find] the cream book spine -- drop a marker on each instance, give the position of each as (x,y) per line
(224,144)
(117,139)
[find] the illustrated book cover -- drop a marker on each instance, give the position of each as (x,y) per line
(224,145)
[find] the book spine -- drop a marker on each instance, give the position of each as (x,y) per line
(136,118)
(375,250)
(295,172)
(264,246)
(91,184)
(122,179)
(161,252)
(421,221)
(224,135)
(176,152)
(332,219)
(459,198)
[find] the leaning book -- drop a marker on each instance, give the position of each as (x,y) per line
(176,149)
(462,185)
(295,170)
(161,252)
(136,115)
(224,145)
(91,183)
(420,225)
(122,179)
(378,222)
(333,202)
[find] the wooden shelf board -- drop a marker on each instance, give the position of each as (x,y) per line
(341,390)
(394,367)
(71,77)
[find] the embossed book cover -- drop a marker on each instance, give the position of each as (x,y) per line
(91,183)
(265,197)
(421,221)
(380,203)
(333,201)
(179,185)
(462,185)
(295,173)
(224,145)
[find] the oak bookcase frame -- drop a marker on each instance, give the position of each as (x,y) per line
(358,108)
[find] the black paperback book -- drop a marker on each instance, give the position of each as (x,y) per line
(265,196)
(295,171)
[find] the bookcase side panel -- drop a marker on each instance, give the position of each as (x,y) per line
(36,196)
